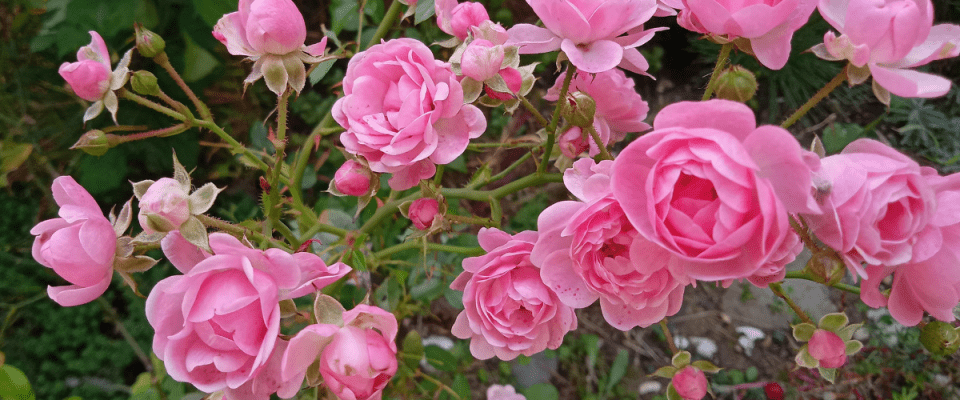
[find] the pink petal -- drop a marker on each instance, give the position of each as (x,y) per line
(559,275)
(910,83)
(729,116)
(181,253)
(773,48)
(73,295)
(599,56)
(781,162)
(532,39)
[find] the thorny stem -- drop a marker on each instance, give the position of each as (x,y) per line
(555,121)
(173,130)
(533,111)
(467,251)
(604,154)
(469,219)
(668,336)
(507,170)
(126,94)
(272,203)
(238,230)
(777,289)
(235,146)
(164,62)
(803,275)
(721,62)
(820,95)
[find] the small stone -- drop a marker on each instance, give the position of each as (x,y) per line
(650,387)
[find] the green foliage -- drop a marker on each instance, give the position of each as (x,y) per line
(929,127)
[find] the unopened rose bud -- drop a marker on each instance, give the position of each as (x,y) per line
(164,206)
(94,143)
(149,44)
(481,60)
(827,348)
(690,383)
(465,16)
(940,338)
(573,142)
(145,83)
(580,109)
(736,83)
(352,179)
(422,212)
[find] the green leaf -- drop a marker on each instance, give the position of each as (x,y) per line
(833,322)
(212,10)
(838,136)
(345,15)
(413,349)
(374,9)
(359,261)
(751,374)
(592,344)
(321,71)
(803,332)
(425,10)
(461,386)
(541,391)
(618,369)
(14,384)
(440,359)
(198,62)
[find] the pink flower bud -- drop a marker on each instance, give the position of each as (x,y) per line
(79,246)
(690,383)
(828,348)
(422,212)
(503,392)
(465,16)
(358,362)
(481,60)
(164,206)
(514,81)
(352,179)
(88,79)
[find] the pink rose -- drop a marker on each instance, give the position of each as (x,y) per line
(503,392)
(596,35)
(827,348)
(879,207)
(481,60)
(508,310)
(422,212)
(768,25)
(457,19)
(775,269)
(714,189)
(931,285)
(619,109)
(79,246)
(270,33)
(357,358)
(403,111)
(589,250)
(92,79)
(164,206)
(296,275)
(353,178)
(888,38)
(690,383)
(217,325)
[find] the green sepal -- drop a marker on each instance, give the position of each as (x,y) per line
(830,374)
(833,322)
(804,359)
(803,332)
(706,366)
(665,372)
(853,346)
(328,310)
(681,359)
